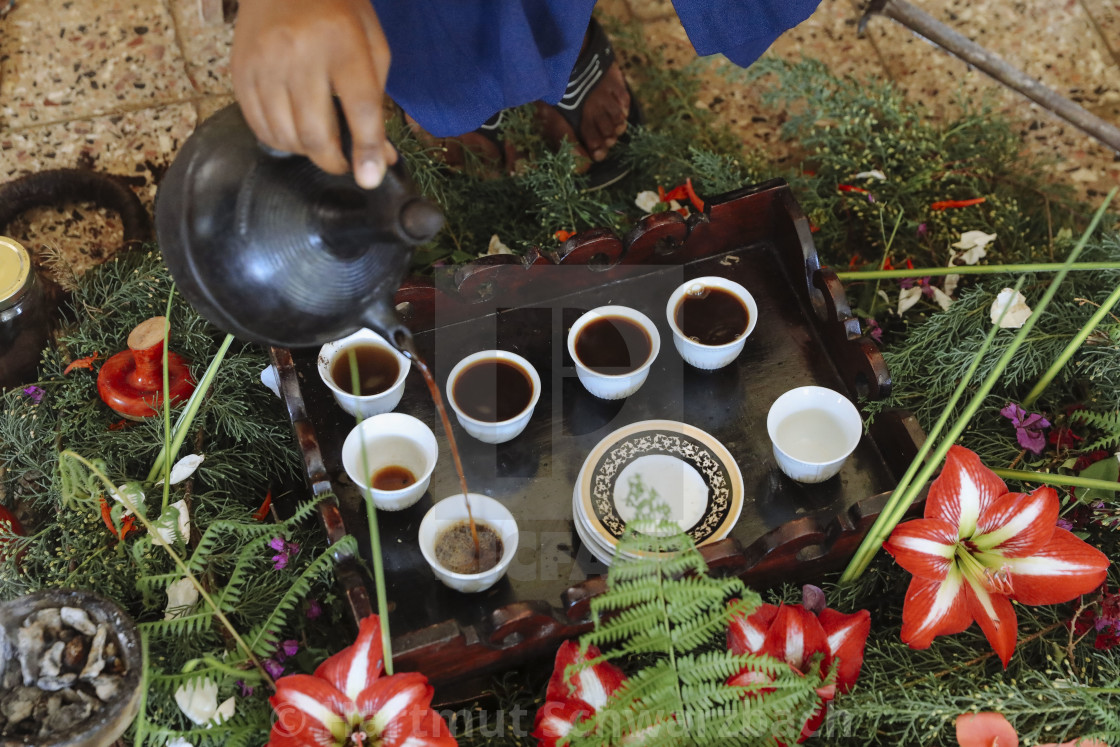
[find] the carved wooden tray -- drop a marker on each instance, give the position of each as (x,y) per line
(806,334)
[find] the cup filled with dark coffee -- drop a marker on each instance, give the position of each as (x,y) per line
(613,348)
(458,558)
(711,318)
(391,457)
(364,372)
(493,394)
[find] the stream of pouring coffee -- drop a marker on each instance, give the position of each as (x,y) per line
(410,351)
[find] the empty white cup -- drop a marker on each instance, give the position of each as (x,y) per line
(614,385)
(363,405)
(451,511)
(813,430)
(388,440)
(700,355)
(495,431)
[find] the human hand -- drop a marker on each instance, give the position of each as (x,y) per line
(289,58)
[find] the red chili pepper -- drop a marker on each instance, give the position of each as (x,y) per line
(262,513)
(909,264)
(887,264)
(850,188)
(86,362)
(120,425)
(692,196)
(813,228)
(563,235)
(855,262)
(683,212)
(661,193)
(676,193)
(127,523)
(956,203)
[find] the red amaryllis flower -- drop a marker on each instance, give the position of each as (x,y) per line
(978,548)
(348,703)
(990,729)
(568,702)
(795,635)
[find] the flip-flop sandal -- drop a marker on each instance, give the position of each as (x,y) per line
(592,64)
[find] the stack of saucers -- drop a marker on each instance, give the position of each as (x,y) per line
(689,470)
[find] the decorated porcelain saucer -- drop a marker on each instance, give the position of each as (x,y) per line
(692,472)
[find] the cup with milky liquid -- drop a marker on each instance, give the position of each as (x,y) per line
(813,430)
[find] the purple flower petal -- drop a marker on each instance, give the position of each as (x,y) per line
(314,610)
(277,544)
(34,393)
(1065,524)
(274,668)
(289,647)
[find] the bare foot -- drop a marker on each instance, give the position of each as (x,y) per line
(605,112)
(455,149)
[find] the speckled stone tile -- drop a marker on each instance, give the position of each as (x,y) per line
(1105,15)
(829,34)
(652,10)
(136,146)
(206,47)
(208,105)
(1056,43)
(61,61)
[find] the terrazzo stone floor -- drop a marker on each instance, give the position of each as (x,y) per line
(118,85)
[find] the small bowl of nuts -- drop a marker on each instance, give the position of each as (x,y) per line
(69,670)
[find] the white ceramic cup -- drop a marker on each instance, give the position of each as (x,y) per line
(363,405)
(391,439)
(452,511)
(813,430)
(621,385)
(710,357)
(500,431)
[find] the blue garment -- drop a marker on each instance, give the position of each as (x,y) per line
(457,62)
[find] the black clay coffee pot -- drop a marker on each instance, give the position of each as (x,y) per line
(273,250)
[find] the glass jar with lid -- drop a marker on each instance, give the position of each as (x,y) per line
(23,315)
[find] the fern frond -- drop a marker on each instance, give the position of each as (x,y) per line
(1107,422)
(264,637)
(710,666)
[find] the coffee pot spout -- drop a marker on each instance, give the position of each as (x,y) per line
(382,318)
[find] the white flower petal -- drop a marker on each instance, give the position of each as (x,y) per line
(182,596)
(907,297)
(497,247)
(970,257)
(270,379)
(975,239)
(178,742)
(1017,310)
(950,284)
(130,496)
(184,468)
(198,700)
(941,298)
(873,174)
(225,711)
(647,201)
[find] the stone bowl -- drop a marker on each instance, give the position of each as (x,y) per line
(103,727)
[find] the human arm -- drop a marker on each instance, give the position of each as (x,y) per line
(291,56)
